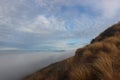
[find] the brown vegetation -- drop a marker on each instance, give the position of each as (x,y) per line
(99,60)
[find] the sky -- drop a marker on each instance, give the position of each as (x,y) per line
(51,25)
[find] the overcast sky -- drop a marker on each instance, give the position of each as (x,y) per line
(54,24)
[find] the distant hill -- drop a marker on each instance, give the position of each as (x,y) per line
(100,60)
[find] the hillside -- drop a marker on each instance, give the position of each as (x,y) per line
(100,60)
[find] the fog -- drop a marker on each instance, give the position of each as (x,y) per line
(16,65)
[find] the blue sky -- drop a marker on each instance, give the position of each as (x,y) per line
(54,24)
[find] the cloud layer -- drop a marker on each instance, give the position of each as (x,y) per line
(17,65)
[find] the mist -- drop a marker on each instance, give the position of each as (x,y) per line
(16,65)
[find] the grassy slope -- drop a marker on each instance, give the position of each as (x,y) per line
(100,60)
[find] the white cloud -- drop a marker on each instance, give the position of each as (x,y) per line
(9,8)
(109,8)
(61,2)
(44,25)
(63,45)
(7,48)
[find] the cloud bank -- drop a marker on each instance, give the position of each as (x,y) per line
(16,65)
